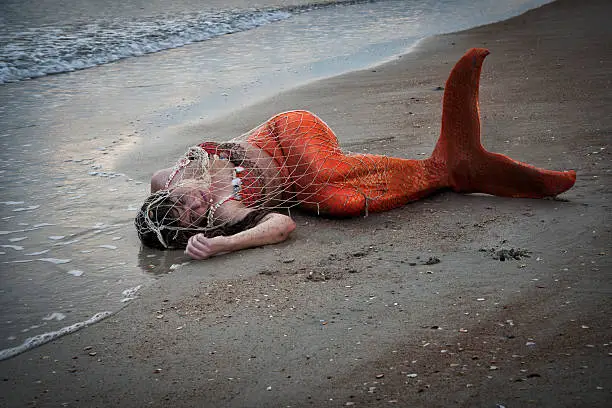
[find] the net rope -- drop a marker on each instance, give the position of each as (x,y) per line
(293,159)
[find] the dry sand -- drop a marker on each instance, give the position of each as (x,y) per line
(350,312)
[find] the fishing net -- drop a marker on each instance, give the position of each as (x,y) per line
(291,160)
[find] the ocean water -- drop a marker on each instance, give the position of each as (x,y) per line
(85,84)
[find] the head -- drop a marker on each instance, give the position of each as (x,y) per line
(168,218)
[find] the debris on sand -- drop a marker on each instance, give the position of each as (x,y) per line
(324,274)
(504,254)
(317,276)
(268,272)
(432,261)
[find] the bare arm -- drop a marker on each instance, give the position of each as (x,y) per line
(272,229)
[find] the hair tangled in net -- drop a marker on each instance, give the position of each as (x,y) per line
(158,225)
(158,222)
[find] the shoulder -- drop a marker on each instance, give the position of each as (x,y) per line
(159,179)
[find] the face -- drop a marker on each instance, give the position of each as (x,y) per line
(191,204)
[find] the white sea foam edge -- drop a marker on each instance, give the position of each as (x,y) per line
(41,339)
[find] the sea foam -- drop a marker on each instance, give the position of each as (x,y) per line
(41,339)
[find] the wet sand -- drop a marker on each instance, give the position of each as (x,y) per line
(353,312)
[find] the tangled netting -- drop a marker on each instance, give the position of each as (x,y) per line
(293,159)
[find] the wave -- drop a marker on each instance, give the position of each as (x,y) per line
(30,52)
(41,339)
(35,52)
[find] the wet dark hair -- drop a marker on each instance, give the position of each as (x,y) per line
(158,208)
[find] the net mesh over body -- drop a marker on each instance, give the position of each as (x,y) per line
(294,159)
(324,179)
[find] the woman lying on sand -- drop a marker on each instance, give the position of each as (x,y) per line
(221,197)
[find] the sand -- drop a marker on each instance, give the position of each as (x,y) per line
(358,312)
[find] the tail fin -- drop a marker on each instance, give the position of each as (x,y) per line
(472,169)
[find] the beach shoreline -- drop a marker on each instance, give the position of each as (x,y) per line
(350,312)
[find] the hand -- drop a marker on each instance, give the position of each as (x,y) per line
(200,247)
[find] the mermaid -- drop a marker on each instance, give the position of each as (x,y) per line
(223,197)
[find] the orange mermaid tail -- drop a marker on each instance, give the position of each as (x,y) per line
(471,168)
(326,180)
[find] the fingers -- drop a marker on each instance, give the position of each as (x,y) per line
(199,247)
